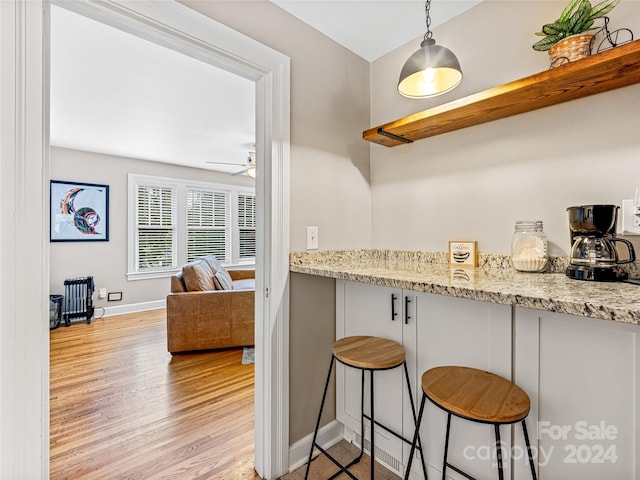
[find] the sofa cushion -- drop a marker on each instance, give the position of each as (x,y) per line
(245,284)
(198,276)
(222,280)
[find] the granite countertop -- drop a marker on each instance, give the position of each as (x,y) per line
(492,281)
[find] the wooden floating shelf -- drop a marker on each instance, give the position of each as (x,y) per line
(614,68)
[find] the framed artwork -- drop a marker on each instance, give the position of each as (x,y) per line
(79,212)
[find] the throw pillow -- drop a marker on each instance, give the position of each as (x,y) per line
(213,263)
(222,280)
(198,277)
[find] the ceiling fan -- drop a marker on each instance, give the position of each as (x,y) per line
(249,168)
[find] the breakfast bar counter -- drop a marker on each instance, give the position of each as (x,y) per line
(494,280)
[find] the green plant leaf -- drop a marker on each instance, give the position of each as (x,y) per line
(555,27)
(567,12)
(547,42)
(579,17)
(602,9)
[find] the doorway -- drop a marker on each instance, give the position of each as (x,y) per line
(178,27)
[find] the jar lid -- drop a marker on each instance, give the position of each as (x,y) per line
(529,224)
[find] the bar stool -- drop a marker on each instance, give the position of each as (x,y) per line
(478,396)
(366,354)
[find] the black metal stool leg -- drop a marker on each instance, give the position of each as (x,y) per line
(315,433)
(416,435)
(413,413)
(372,443)
(526,441)
(361,418)
(446,447)
(344,468)
(498,451)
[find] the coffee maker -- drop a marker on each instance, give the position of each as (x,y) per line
(593,244)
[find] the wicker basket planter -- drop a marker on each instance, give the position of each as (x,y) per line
(570,49)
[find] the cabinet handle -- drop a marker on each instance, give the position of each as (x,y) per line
(407,301)
(394,314)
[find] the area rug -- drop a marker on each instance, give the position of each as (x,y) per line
(247,355)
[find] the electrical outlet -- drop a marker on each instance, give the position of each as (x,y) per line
(312,238)
(102,293)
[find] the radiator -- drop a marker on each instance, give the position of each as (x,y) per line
(78,299)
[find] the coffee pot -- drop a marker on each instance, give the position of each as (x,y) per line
(593,251)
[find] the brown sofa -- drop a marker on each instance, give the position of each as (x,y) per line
(210,307)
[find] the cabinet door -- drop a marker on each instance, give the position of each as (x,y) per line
(583,378)
(455,331)
(368,310)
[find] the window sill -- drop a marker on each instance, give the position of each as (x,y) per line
(134,276)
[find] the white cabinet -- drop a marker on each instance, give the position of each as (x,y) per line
(456,331)
(369,310)
(583,378)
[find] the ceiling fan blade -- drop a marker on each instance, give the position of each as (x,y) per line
(244,170)
(225,163)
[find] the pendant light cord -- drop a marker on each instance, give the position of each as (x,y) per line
(427,6)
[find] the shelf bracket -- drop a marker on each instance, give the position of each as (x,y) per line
(390,135)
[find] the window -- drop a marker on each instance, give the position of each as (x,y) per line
(173,222)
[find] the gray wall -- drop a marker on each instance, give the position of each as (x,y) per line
(314,333)
(107,261)
(473,184)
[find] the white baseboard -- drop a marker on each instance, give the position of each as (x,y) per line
(132,308)
(328,436)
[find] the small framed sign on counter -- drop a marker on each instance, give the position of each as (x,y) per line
(463,253)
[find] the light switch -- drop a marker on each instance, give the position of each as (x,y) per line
(312,238)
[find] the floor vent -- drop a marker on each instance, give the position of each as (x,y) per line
(385,457)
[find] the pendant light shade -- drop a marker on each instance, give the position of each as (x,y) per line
(432,70)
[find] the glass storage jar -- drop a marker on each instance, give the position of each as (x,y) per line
(529,247)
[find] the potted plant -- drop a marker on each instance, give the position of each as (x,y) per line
(567,37)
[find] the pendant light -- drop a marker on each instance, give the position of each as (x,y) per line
(432,70)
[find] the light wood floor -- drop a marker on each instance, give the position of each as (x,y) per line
(124,408)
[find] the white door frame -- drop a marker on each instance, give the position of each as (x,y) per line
(24,175)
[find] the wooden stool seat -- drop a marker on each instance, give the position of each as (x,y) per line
(369,353)
(475,394)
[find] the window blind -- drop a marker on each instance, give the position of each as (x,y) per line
(156,225)
(207,224)
(247,225)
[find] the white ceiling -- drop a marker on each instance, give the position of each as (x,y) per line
(114,93)
(372,28)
